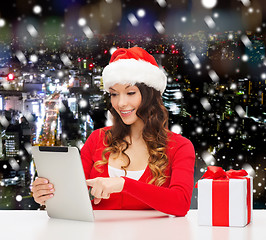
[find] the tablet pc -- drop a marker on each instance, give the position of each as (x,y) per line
(63,167)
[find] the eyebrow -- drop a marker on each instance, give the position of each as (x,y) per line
(125,87)
(111,89)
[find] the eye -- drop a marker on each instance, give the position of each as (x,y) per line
(113,94)
(131,93)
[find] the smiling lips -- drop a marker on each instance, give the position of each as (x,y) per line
(126,113)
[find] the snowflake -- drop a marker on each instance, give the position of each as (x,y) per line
(21,57)
(246,41)
(254,128)
(209,21)
(246,3)
(209,3)
(251,10)
(33,58)
(60,74)
(32,30)
(249,169)
(178,95)
(19,198)
(208,158)
(83,103)
(183,19)
(141,13)
(231,130)
(65,59)
(263,76)
(230,36)
(205,103)
(199,130)
(88,32)
(4,122)
(213,75)
(28,147)
(133,20)
(162,3)
(159,27)
(240,111)
(195,60)
(233,86)
(112,50)
(245,58)
(37,9)
(2,22)
(176,128)
(82,22)
(216,15)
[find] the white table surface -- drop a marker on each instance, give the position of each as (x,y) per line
(116,225)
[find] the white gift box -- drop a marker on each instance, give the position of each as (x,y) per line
(225,202)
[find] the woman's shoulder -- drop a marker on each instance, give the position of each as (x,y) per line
(175,140)
(99,133)
(178,146)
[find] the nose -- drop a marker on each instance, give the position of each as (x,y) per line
(122,101)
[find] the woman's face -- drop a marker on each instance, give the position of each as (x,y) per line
(126,99)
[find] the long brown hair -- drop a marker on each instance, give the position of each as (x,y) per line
(155,118)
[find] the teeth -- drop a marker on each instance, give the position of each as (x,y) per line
(123,112)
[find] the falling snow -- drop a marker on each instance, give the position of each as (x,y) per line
(19,198)
(162,3)
(2,22)
(159,27)
(37,9)
(141,13)
(32,30)
(133,20)
(209,3)
(215,76)
(209,21)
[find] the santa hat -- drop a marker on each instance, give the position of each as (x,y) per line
(131,66)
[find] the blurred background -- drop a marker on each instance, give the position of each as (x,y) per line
(52,54)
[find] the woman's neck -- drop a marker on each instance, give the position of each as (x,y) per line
(136,131)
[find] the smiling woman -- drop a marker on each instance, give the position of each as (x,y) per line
(137,163)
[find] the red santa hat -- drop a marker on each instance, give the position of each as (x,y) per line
(131,66)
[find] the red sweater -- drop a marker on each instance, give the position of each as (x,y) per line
(173,197)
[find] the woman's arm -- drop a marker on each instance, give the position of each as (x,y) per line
(176,198)
(87,152)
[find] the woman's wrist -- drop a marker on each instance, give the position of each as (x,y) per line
(122,183)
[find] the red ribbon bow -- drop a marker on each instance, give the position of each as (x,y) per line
(214,172)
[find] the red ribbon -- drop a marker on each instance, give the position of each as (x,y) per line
(216,173)
(220,193)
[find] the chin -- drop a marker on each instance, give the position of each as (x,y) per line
(128,122)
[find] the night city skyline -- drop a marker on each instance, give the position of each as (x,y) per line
(52,56)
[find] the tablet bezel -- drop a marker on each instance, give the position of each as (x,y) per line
(62,166)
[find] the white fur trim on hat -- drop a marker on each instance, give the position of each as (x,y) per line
(132,71)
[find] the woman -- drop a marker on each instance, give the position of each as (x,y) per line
(137,163)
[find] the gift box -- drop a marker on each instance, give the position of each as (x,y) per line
(225,198)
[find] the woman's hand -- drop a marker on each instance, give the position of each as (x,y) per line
(42,190)
(103,187)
